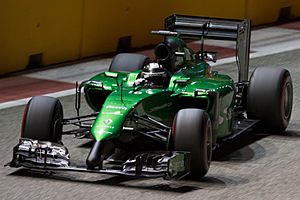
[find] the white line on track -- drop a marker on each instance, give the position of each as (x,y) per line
(25,100)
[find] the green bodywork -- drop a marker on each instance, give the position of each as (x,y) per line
(191,86)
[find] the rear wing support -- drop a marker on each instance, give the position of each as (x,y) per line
(217,29)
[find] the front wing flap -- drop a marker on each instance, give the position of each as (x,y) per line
(43,155)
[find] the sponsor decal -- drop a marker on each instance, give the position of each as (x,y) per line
(105,126)
(107,121)
(104,132)
(113,113)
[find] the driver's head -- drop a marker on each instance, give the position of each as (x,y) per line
(155,75)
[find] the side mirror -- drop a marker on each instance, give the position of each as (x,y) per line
(111,74)
(208,55)
(181,81)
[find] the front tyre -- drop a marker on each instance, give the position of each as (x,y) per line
(43,119)
(270,98)
(192,132)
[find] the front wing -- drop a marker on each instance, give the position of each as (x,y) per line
(49,156)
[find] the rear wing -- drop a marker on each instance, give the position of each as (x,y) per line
(217,29)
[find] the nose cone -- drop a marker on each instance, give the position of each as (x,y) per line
(99,151)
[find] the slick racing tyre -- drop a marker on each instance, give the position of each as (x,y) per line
(128,62)
(42,119)
(270,98)
(192,132)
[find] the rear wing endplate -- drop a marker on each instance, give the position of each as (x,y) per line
(217,29)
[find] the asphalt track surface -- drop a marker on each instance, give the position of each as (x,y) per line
(253,166)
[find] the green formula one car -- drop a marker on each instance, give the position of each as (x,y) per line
(160,118)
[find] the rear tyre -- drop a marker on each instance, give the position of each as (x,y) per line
(43,119)
(270,98)
(192,132)
(128,62)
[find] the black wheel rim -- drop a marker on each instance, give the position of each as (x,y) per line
(208,142)
(57,124)
(287,101)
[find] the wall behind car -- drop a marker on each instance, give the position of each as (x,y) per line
(36,33)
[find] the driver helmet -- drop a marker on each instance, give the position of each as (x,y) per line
(155,75)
